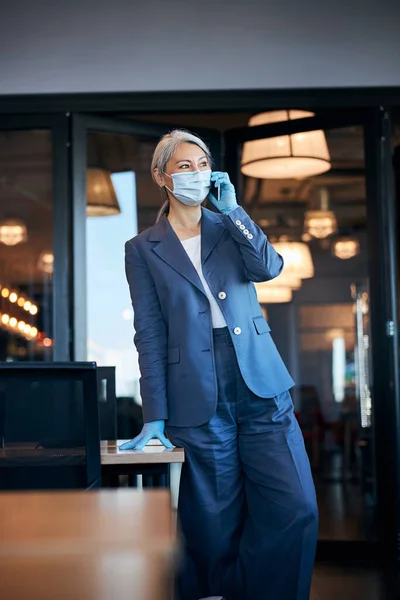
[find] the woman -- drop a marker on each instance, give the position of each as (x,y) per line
(212,377)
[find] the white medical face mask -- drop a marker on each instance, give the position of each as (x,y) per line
(191,188)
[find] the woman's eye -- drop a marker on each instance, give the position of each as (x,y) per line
(204,164)
(184,167)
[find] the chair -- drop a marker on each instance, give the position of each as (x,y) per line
(107,403)
(129,417)
(49,426)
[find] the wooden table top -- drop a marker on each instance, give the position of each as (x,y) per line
(153,453)
(110,454)
(87,545)
(46,519)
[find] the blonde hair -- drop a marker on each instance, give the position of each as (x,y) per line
(165,149)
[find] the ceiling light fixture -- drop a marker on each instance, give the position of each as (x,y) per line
(102,200)
(46,262)
(13,232)
(346,248)
(286,279)
(297,258)
(294,156)
(267,294)
(321,223)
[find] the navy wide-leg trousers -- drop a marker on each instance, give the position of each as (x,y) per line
(247,506)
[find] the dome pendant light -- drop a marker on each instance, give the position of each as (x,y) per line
(293,156)
(267,294)
(13,232)
(321,223)
(346,248)
(297,259)
(102,200)
(46,262)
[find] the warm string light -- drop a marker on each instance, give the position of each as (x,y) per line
(14,298)
(16,325)
(24,330)
(19,327)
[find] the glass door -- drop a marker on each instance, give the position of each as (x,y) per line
(114,199)
(34,238)
(319,187)
(335,322)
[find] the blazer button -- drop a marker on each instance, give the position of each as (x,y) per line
(237,331)
(222,295)
(238,222)
(249,236)
(246,232)
(242,227)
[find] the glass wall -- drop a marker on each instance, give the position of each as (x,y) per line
(26,245)
(322,326)
(121,200)
(109,313)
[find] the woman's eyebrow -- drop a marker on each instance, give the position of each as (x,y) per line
(189,159)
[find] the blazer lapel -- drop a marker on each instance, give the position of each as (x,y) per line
(211,230)
(171,251)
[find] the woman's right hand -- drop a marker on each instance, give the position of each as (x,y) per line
(151,430)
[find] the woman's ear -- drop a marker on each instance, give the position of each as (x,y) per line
(159,177)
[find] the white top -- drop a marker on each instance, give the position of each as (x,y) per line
(193,249)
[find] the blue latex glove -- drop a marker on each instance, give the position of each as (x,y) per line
(227,196)
(151,430)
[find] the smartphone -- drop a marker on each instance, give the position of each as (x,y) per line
(214,190)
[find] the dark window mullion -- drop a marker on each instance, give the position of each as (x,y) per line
(61,238)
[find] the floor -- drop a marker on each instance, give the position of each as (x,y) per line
(346,512)
(342,513)
(350,583)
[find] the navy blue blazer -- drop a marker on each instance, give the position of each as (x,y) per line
(172,318)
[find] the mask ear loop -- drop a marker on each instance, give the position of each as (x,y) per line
(219,192)
(166,185)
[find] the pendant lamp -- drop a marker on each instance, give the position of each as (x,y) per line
(321,223)
(272,294)
(13,232)
(346,248)
(46,262)
(102,200)
(286,279)
(294,156)
(297,258)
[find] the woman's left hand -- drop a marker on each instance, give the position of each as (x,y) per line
(227,201)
